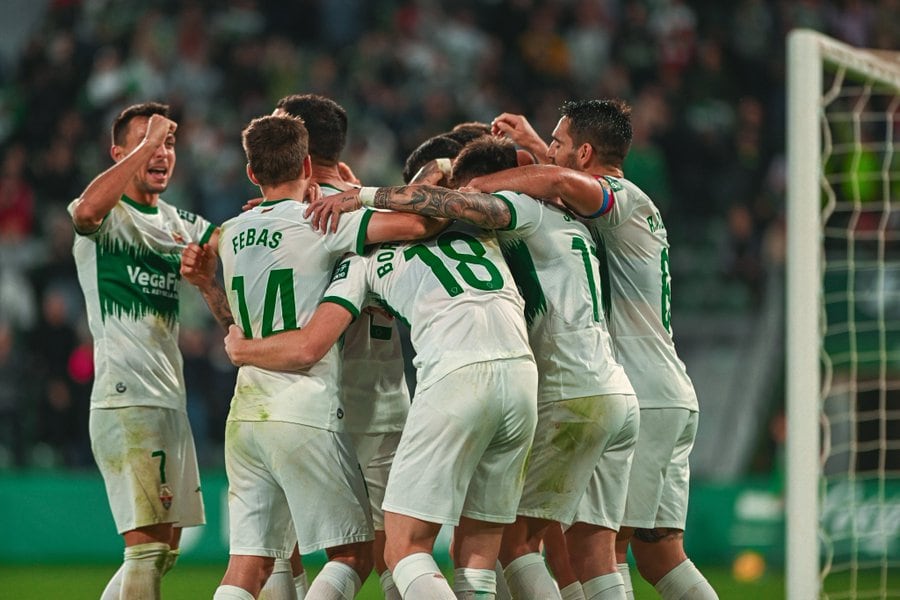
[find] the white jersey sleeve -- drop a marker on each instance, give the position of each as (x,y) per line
(276,269)
(554,261)
(637,254)
(129,271)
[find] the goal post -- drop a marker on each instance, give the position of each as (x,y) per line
(843,337)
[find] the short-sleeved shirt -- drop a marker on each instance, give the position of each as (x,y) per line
(454,291)
(373,384)
(276,267)
(637,255)
(129,271)
(554,261)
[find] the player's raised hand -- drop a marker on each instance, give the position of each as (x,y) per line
(158,129)
(325,213)
(198,265)
(233,344)
(313,193)
(434,172)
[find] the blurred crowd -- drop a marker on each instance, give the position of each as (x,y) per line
(705,78)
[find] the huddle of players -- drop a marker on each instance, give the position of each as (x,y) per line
(526,412)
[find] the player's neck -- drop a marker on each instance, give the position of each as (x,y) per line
(600,170)
(329,175)
(293,190)
(140,197)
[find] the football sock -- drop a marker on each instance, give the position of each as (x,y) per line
(503,592)
(418,577)
(474,584)
(605,587)
(573,591)
(143,571)
(685,582)
(171,559)
(336,581)
(626,577)
(528,577)
(280,584)
(231,592)
(388,587)
(301,584)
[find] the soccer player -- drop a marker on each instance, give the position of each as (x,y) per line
(471,422)
(373,384)
(287,456)
(127,251)
(585,158)
(587,411)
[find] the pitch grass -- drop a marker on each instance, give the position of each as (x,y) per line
(192,582)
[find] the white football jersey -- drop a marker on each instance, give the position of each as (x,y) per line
(554,261)
(373,383)
(276,267)
(129,271)
(454,291)
(637,255)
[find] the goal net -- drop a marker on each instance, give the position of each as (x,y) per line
(843,315)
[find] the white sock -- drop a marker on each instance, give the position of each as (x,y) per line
(503,592)
(301,584)
(573,591)
(113,589)
(625,570)
(143,571)
(232,592)
(685,582)
(336,581)
(388,587)
(528,577)
(418,577)
(280,584)
(474,584)
(605,587)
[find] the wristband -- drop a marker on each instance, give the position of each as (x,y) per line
(367,196)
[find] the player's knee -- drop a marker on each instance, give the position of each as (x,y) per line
(657,535)
(357,556)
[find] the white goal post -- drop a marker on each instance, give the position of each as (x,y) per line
(840,220)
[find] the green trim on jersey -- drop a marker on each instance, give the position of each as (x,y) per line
(363,230)
(513,218)
(147,210)
(518,257)
(274,202)
(207,234)
(133,281)
(343,302)
(331,187)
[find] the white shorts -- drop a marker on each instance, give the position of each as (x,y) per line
(570,443)
(376,455)
(603,502)
(283,472)
(465,443)
(660,473)
(148,461)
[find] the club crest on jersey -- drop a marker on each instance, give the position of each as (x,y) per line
(165,496)
(341,271)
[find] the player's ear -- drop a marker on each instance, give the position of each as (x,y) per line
(251,176)
(116,152)
(585,153)
(307,167)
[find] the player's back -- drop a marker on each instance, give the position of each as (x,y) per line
(553,259)
(456,294)
(276,268)
(637,254)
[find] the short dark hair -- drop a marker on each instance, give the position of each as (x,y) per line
(276,147)
(468,131)
(483,156)
(439,146)
(123,119)
(604,124)
(326,124)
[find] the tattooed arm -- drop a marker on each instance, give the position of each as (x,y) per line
(484,210)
